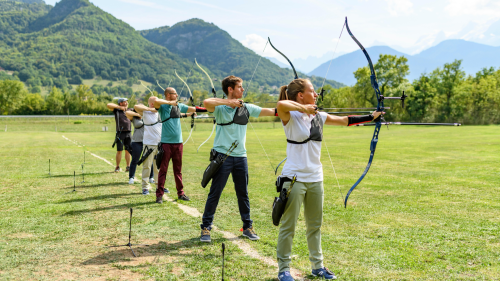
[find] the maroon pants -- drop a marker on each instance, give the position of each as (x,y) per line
(174,152)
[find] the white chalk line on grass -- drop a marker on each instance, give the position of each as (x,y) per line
(96,156)
(236,240)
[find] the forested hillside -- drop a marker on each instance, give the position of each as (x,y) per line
(75,40)
(223,55)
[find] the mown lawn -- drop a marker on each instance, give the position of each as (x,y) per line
(429,209)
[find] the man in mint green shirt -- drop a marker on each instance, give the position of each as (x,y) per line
(171,140)
(232,117)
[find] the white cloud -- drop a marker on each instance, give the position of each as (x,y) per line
(486,8)
(257,43)
(398,7)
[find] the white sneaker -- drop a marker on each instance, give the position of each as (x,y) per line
(152,180)
(131,181)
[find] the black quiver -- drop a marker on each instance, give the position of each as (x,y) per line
(279,203)
(116,138)
(215,164)
(159,156)
(216,160)
(145,154)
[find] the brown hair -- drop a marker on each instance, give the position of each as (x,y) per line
(290,91)
(169,90)
(230,81)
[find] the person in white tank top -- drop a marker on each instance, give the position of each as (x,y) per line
(303,126)
(152,136)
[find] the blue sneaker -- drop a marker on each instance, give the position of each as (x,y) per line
(324,273)
(285,276)
(145,192)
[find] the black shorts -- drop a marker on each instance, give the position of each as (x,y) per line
(123,140)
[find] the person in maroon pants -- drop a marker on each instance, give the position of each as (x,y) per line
(171,140)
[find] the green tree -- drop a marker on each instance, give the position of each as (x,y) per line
(480,98)
(55,102)
(450,77)
(32,104)
(391,72)
(12,94)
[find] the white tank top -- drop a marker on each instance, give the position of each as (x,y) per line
(304,160)
(152,134)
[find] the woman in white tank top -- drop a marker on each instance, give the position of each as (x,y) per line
(303,126)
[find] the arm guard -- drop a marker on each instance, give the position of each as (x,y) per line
(201,109)
(358,119)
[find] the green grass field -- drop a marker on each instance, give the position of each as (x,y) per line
(429,209)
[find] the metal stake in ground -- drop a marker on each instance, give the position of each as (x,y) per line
(74,182)
(223,248)
(83,175)
(129,236)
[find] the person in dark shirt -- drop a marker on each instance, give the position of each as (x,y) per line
(123,128)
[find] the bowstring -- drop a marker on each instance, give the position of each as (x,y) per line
(253,129)
(251,79)
(333,56)
(335,173)
(324,142)
(184,85)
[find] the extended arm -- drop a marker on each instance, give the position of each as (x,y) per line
(158,102)
(113,106)
(351,120)
(285,106)
(140,108)
(130,114)
(267,112)
(211,103)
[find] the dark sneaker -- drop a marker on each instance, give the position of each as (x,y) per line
(117,169)
(250,233)
(324,273)
(184,197)
(205,235)
(159,200)
(145,192)
(127,169)
(165,190)
(285,276)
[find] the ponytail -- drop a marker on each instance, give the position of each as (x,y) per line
(290,91)
(283,92)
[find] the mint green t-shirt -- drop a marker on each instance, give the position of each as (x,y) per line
(226,135)
(171,131)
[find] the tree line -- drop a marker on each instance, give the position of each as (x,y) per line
(446,94)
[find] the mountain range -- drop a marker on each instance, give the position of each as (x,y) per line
(308,64)
(474,57)
(216,49)
(75,40)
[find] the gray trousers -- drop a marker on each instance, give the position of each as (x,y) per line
(311,194)
(146,167)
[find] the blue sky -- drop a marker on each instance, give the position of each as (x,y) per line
(311,27)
